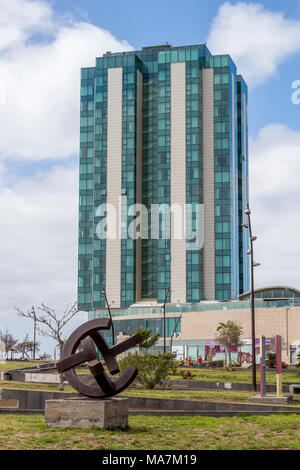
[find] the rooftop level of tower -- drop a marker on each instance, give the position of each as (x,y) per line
(149,49)
(163,46)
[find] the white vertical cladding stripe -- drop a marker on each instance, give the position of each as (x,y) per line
(234,189)
(245,191)
(138,253)
(178,181)
(114,183)
(209,184)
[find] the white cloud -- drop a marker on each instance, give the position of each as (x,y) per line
(38,246)
(19,19)
(257,39)
(39,114)
(274,197)
(41,54)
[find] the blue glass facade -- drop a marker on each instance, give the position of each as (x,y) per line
(230,173)
(243,186)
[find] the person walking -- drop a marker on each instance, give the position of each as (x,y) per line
(199,361)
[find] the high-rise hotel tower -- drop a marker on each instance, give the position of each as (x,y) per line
(161,128)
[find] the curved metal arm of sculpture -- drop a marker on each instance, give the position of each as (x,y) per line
(88,336)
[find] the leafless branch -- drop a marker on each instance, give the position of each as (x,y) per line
(47,317)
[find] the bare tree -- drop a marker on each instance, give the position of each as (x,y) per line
(9,342)
(52,324)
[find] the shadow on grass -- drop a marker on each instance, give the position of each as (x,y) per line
(129,430)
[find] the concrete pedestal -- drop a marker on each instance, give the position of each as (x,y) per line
(87,413)
(294,388)
(271,399)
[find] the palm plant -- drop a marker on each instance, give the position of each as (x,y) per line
(229,334)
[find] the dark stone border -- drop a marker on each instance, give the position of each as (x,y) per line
(210,413)
(18,411)
(33,401)
(190,384)
(168,404)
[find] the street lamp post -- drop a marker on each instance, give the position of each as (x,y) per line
(34,332)
(171,341)
(252,265)
(164,313)
(109,312)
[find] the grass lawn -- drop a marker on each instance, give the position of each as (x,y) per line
(202,395)
(222,375)
(10,365)
(214,375)
(157,433)
(34,386)
(244,376)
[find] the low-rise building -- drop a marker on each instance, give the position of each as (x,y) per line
(190,329)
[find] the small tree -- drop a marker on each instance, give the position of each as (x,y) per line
(53,324)
(147,340)
(21,348)
(9,342)
(298,359)
(24,347)
(152,368)
(229,336)
(45,356)
(271,360)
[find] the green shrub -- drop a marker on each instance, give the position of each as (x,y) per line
(271,360)
(152,368)
(231,365)
(148,341)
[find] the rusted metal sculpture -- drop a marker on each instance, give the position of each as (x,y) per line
(100,385)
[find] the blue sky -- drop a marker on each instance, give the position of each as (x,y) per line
(148,23)
(141,23)
(44,43)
